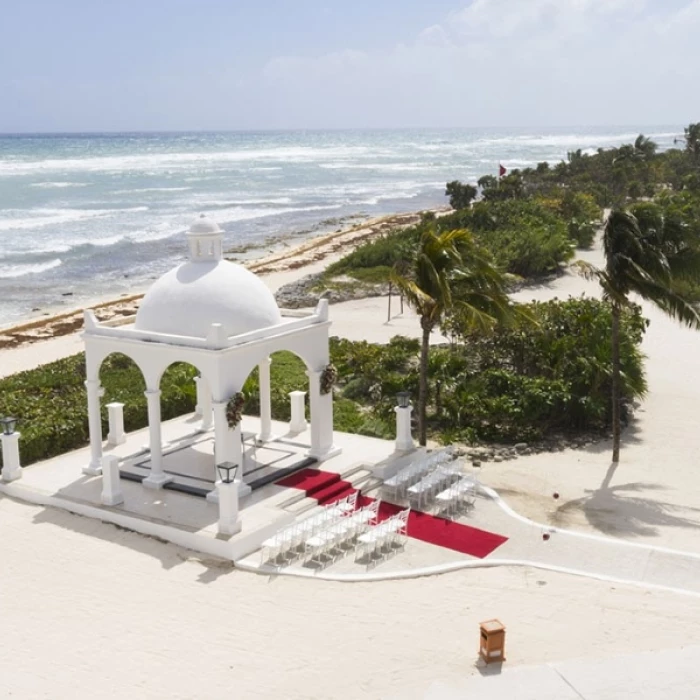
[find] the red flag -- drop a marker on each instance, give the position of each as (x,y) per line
(501,170)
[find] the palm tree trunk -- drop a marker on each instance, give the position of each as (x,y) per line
(615,339)
(423,385)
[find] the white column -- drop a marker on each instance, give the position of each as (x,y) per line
(265,401)
(116,436)
(111,486)
(157,477)
(229,523)
(227,448)
(321,408)
(404,440)
(227,441)
(11,469)
(94,392)
(203,407)
(298,422)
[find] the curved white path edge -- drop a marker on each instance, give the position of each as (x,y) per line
(450,567)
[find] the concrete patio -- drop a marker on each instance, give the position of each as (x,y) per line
(190,520)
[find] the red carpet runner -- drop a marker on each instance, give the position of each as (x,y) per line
(327,487)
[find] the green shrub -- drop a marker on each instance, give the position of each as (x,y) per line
(525,237)
(524,381)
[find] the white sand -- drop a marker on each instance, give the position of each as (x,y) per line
(91,611)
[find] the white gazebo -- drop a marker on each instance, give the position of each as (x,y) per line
(222,319)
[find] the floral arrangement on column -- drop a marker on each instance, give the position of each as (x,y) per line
(234,409)
(329,376)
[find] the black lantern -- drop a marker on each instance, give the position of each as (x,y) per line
(227,471)
(8,425)
(403,399)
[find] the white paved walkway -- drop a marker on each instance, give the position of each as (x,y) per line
(661,675)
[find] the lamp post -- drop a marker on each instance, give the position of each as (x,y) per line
(403,399)
(11,470)
(8,425)
(227,472)
(403,410)
(227,488)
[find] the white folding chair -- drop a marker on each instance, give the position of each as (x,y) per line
(400,534)
(367,543)
(349,503)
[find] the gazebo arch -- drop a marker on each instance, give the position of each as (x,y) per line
(222,319)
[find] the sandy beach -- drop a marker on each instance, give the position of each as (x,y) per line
(278,268)
(125,614)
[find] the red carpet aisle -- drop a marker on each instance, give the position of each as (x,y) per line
(327,487)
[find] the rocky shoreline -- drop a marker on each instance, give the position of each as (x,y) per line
(478,455)
(305,292)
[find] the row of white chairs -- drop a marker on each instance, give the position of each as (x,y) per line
(461,493)
(423,492)
(335,541)
(285,544)
(383,538)
(398,484)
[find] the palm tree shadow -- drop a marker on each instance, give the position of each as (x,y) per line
(624,510)
(631,435)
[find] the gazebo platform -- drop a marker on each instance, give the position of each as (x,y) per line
(185,518)
(189,461)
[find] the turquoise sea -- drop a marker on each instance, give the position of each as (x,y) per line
(93,215)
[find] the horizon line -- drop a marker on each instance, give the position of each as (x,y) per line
(97,132)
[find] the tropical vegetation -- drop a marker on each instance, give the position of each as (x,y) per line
(545,376)
(642,253)
(508,373)
(448,272)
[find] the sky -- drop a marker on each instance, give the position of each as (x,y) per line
(127,65)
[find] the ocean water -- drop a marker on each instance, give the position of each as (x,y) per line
(93,215)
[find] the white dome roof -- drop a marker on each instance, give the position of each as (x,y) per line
(207,289)
(188,299)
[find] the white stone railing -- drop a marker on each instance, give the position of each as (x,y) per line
(213,342)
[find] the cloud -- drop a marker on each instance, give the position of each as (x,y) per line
(494,19)
(517,62)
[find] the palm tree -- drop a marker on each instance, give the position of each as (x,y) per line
(448,271)
(645,147)
(636,262)
(692,140)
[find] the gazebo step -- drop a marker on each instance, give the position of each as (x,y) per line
(281,477)
(334,492)
(301,505)
(311,481)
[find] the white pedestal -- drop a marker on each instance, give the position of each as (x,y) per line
(404,439)
(11,470)
(298,422)
(111,486)
(229,523)
(243,491)
(92,471)
(116,434)
(332,451)
(157,480)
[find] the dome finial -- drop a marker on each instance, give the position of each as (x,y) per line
(205,240)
